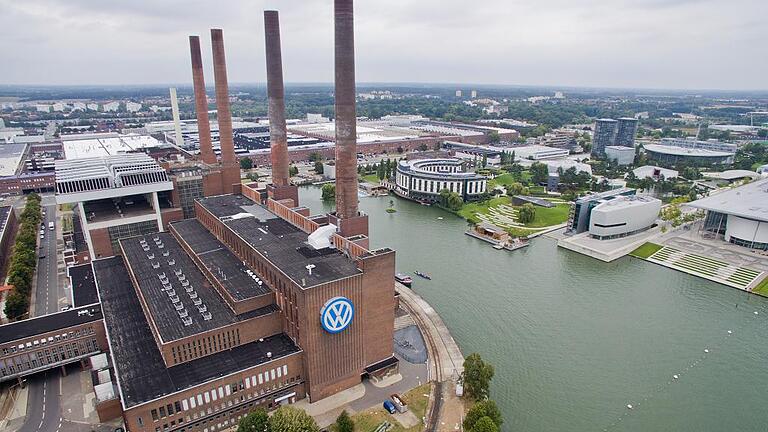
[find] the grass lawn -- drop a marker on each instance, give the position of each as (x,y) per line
(469,209)
(544,216)
(550,216)
(645,250)
(370,178)
(368,420)
(762,287)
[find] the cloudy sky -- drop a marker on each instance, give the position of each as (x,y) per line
(693,44)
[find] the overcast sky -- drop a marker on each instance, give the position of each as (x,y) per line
(699,44)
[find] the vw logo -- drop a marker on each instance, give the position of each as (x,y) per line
(337,314)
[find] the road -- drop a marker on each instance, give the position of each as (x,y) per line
(43,401)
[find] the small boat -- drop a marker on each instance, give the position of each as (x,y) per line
(498,246)
(404,279)
(424,275)
(439,218)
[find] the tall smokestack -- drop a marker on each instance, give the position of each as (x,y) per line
(176,118)
(346,130)
(231,171)
(201,102)
(276,96)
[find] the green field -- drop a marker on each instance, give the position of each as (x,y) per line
(501,212)
(368,420)
(762,287)
(370,178)
(645,250)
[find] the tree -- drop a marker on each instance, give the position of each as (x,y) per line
(516,188)
(455,202)
(329,191)
(16,305)
(318,167)
(444,194)
(290,419)
(493,137)
(255,421)
(246,164)
(527,213)
(344,423)
(539,172)
(671,212)
(315,157)
(485,160)
(477,376)
(292,171)
(485,424)
(484,408)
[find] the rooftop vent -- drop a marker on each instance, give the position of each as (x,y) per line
(321,237)
(187,321)
(269,354)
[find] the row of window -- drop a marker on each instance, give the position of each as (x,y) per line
(50,339)
(221,398)
(204,346)
(45,356)
(435,186)
(227,419)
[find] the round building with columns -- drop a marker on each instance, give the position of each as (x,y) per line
(423,179)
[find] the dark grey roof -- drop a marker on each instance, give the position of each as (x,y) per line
(48,323)
(4,211)
(211,313)
(222,263)
(83,285)
(280,242)
(142,374)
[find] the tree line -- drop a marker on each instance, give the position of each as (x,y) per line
(23,259)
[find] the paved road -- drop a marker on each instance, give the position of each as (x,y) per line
(43,401)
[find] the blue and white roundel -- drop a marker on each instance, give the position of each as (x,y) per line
(337,314)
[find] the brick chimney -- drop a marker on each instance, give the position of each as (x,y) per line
(201,102)
(280,188)
(229,162)
(350,222)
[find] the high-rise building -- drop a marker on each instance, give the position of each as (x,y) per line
(473,94)
(458,93)
(604,136)
(626,132)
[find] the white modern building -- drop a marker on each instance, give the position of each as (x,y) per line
(621,154)
(116,196)
(623,216)
(423,179)
(111,106)
(105,144)
(132,106)
(738,216)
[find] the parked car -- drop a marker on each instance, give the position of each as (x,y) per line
(65,308)
(389,406)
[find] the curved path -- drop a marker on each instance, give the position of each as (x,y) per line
(446,363)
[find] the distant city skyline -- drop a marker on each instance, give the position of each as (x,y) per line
(655,44)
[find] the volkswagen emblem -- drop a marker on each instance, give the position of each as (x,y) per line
(337,314)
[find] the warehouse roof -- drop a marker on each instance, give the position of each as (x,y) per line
(141,373)
(278,241)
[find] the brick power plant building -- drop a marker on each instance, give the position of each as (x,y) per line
(252,302)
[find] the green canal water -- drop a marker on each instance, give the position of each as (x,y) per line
(574,340)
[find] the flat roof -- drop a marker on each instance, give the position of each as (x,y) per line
(48,323)
(96,145)
(141,373)
(227,268)
(281,243)
(684,151)
(10,158)
(627,201)
(749,201)
(5,211)
(83,285)
(176,312)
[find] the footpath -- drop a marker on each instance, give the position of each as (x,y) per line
(445,411)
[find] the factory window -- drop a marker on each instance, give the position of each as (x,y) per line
(154,415)
(162,411)
(177,405)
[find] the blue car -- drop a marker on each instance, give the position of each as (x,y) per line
(389,406)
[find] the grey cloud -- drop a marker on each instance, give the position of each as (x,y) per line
(615,43)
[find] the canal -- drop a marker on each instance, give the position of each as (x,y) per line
(574,340)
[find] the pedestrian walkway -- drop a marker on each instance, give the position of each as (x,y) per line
(706,267)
